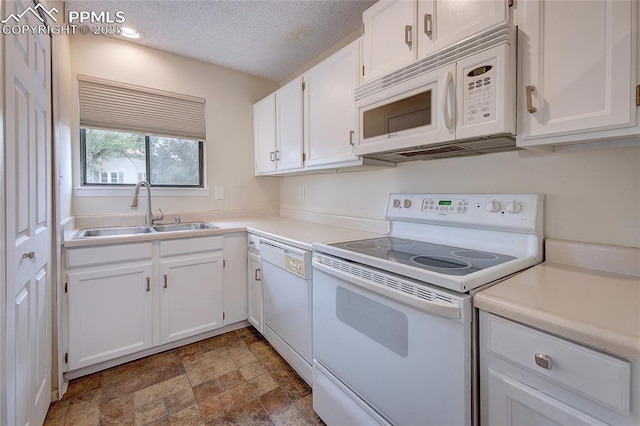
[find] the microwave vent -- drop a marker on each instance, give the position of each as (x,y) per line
(448,150)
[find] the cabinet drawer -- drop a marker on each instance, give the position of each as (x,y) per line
(596,376)
(88,256)
(191,245)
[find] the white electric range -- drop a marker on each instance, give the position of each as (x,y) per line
(392,316)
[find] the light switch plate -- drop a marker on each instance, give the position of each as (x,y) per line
(219,192)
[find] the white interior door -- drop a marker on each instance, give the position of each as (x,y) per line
(27,134)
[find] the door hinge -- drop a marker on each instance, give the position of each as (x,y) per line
(304,85)
(363,70)
(510,3)
(224,263)
(638,95)
(223,315)
(304,157)
(66,287)
(66,358)
(363,28)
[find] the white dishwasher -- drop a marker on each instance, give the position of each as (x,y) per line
(287,287)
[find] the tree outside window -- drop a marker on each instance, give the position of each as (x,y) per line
(120,158)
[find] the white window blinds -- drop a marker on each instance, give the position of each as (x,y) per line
(111,105)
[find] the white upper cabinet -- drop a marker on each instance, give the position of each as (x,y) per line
(277,130)
(578,74)
(289,126)
(442,23)
(398,32)
(329,109)
(388,29)
(264,135)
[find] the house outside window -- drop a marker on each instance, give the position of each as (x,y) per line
(121,158)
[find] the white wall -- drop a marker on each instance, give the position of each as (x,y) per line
(591,196)
(229,98)
(64,100)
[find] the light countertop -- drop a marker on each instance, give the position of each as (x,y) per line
(295,232)
(597,308)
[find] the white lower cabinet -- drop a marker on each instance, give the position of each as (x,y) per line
(254,280)
(529,377)
(515,404)
(110,310)
(191,297)
(235,277)
(126,298)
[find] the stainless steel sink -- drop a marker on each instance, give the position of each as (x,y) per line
(113,231)
(191,226)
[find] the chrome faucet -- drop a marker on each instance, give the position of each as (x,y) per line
(149,217)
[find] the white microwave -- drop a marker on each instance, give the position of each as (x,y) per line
(462,107)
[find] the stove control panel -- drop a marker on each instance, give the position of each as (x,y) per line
(448,205)
(511,212)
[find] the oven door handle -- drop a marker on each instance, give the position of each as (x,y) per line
(434,307)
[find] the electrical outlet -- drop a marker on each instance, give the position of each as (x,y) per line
(302,192)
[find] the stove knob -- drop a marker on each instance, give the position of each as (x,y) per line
(407,203)
(396,203)
(514,207)
(493,206)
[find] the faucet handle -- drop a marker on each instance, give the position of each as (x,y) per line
(160,217)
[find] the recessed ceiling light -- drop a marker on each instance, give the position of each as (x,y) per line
(130,32)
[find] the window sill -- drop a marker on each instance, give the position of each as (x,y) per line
(92,191)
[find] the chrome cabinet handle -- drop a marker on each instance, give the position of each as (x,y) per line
(428,24)
(30,255)
(277,155)
(272,156)
(255,274)
(407,35)
(148,283)
(530,107)
(165,281)
(543,360)
(351,135)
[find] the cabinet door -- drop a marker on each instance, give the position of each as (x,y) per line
(329,108)
(512,403)
(235,277)
(191,296)
(264,135)
(576,68)
(254,280)
(388,37)
(110,312)
(289,126)
(443,23)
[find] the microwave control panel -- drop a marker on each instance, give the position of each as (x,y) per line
(480,93)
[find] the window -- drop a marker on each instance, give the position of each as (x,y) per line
(121,158)
(120,128)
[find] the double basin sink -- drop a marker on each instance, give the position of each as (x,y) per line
(134,230)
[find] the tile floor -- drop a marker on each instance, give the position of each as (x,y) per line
(236,378)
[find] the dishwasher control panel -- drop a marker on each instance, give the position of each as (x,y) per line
(294,265)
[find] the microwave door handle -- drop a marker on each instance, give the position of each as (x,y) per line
(448,99)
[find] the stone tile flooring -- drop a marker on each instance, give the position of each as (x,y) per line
(236,378)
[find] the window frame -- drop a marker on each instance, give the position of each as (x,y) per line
(147,158)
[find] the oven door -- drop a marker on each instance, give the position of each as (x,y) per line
(411,365)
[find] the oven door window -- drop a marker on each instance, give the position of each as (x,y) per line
(404,114)
(387,326)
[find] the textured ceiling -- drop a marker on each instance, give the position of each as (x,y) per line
(269,38)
